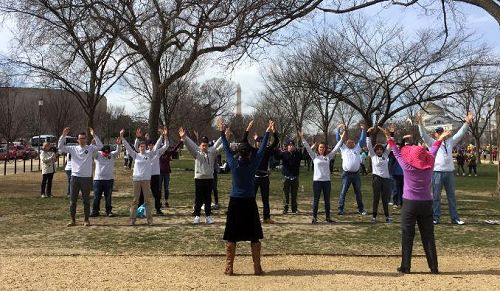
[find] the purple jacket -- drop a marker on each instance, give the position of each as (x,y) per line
(417,182)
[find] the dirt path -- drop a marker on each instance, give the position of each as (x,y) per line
(205,273)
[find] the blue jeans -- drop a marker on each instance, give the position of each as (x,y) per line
(319,186)
(165,181)
(349,178)
(101,186)
(446,179)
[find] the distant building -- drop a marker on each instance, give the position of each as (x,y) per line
(46,111)
(434,116)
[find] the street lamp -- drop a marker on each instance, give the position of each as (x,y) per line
(489,125)
(40,104)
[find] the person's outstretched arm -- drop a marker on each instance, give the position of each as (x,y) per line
(463,130)
(130,150)
(307,146)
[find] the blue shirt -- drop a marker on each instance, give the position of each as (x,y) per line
(242,170)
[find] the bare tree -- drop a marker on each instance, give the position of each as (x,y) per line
(266,109)
(59,44)
(386,72)
(446,7)
(283,94)
(480,87)
(155,29)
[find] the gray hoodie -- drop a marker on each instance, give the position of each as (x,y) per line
(204,162)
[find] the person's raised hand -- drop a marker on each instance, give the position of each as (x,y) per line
(418,117)
(270,126)
(385,131)
(444,135)
(138,133)
(250,125)
(469,117)
(182,133)
(370,129)
(91,130)
(65,131)
(122,132)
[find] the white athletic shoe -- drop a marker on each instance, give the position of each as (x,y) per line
(459,222)
(209,220)
(196,220)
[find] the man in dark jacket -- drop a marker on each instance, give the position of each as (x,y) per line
(262,174)
(291,163)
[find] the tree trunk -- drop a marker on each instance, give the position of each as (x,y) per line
(154,111)
(478,152)
(90,124)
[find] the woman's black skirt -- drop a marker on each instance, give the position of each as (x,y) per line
(243,221)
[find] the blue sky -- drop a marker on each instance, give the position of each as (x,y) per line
(248,73)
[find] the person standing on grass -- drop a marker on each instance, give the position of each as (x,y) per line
(350,165)
(321,175)
(155,170)
(165,171)
(417,164)
(141,176)
(103,178)
(81,171)
(262,174)
(48,159)
(444,168)
(460,163)
(205,157)
(381,179)
(243,222)
(472,163)
(291,159)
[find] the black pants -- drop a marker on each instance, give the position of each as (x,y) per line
(215,190)
(203,189)
(156,191)
(47,184)
(397,197)
(381,188)
(421,213)
(263,184)
(290,186)
(472,169)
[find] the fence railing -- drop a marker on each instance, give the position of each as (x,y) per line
(18,165)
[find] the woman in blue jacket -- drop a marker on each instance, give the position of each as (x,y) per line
(243,221)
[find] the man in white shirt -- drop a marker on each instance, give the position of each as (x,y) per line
(351,162)
(81,171)
(444,169)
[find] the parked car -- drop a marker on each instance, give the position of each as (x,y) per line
(4,154)
(30,153)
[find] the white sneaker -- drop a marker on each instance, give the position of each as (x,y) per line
(463,174)
(391,203)
(196,220)
(459,222)
(475,175)
(209,220)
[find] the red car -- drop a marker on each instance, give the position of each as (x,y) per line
(30,153)
(4,154)
(16,152)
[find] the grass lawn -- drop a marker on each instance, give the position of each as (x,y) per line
(30,224)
